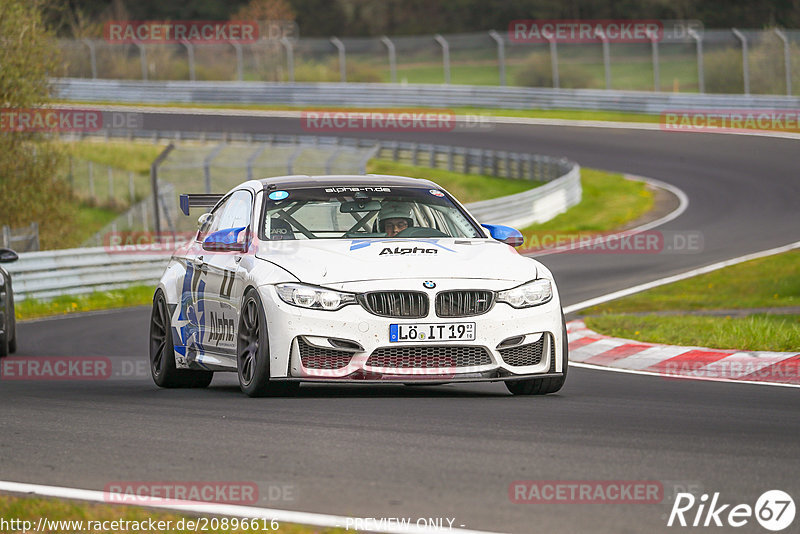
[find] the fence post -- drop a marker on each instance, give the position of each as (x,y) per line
(501,54)
(92,57)
(656,72)
(392,58)
(787,61)
(190,53)
(239,66)
(253,158)
(91,180)
(143,58)
(6,236)
(432,158)
(450,162)
(606,55)
(131,188)
(745,62)
(207,164)
(701,75)
(554,60)
(110,183)
(287,45)
(292,158)
(342,58)
(154,184)
(34,236)
(445,56)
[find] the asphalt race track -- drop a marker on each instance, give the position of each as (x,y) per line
(449,451)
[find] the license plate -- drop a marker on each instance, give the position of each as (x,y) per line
(432,332)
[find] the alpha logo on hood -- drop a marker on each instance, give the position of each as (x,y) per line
(408,250)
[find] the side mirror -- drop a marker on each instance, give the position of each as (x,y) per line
(7,255)
(506,234)
(203,220)
(226,240)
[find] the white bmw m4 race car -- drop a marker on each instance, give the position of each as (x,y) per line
(353,279)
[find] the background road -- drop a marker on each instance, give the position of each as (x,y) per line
(449,451)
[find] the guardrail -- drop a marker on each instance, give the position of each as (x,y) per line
(75,271)
(391,95)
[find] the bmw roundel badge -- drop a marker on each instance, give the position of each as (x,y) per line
(428,284)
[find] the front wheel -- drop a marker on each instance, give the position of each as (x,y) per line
(544,386)
(252,352)
(162,353)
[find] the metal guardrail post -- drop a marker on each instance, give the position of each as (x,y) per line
(91,180)
(292,158)
(110,184)
(745,61)
(239,66)
(154,184)
(253,158)
(287,45)
(501,55)
(92,56)
(787,60)
(207,165)
(656,66)
(190,53)
(606,55)
(554,60)
(143,59)
(342,58)
(392,58)
(701,75)
(445,56)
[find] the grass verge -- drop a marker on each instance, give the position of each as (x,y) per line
(139,295)
(127,156)
(609,201)
(756,332)
(101,515)
(465,187)
(771,282)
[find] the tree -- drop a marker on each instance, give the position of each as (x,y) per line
(29,163)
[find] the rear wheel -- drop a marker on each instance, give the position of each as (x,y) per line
(162,353)
(544,386)
(252,352)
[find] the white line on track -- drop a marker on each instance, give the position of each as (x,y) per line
(281,516)
(677,377)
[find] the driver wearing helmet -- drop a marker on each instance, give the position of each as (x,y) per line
(394,217)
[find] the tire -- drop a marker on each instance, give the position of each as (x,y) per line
(162,353)
(252,352)
(544,386)
(5,328)
(12,343)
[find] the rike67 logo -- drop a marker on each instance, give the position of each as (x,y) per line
(774,510)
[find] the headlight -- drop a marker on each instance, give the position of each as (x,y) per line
(528,294)
(317,298)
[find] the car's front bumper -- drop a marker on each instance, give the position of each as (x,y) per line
(289,326)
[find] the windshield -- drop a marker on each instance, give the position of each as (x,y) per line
(362,212)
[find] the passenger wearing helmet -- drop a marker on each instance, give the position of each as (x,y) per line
(394,217)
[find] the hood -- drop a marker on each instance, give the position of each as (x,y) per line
(329,261)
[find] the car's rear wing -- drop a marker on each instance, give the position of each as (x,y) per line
(198,200)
